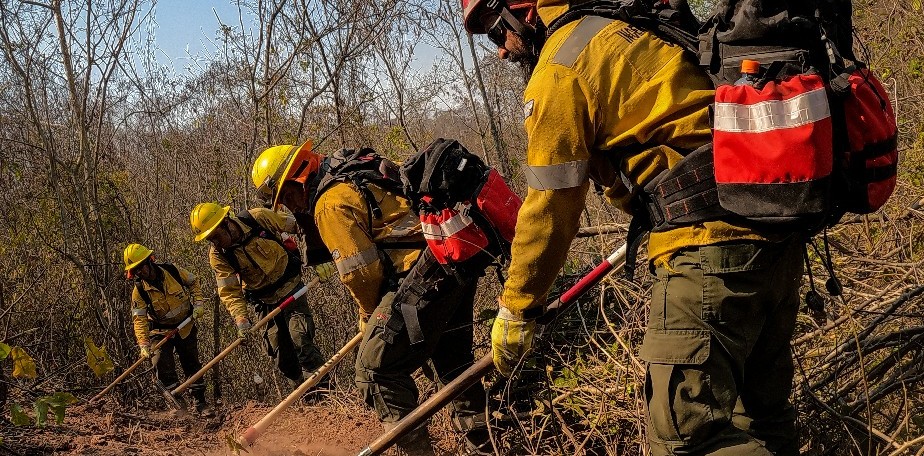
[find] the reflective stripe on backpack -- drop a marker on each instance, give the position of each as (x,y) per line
(773,148)
(452,234)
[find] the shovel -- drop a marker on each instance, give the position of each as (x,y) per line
(254,432)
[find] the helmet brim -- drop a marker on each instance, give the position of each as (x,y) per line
(287,174)
(205,233)
(473,18)
(134,265)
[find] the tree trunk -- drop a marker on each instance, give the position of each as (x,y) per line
(499,149)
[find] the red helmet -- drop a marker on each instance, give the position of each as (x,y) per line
(478,15)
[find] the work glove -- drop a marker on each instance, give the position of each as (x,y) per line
(325,271)
(511,338)
(145,351)
(198,311)
(243,328)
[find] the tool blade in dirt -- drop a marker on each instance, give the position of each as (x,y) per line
(234,344)
(176,403)
(140,361)
(254,432)
(482,367)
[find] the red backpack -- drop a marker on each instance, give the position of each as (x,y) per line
(465,207)
(808,136)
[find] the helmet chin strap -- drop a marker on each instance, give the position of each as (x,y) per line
(532,35)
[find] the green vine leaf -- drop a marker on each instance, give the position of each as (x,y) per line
(18,415)
(41,412)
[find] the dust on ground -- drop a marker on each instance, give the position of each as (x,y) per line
(327,429)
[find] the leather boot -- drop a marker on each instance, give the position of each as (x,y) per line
(202,407)
(477,442)
(414,443)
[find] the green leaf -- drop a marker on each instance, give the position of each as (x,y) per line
(916,4)
(60,398)
(4,350)
(59,411)
(18,416)
(57,403)
(41,412)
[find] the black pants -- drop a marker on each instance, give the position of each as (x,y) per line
(289,340)
(188,351)
(387,360)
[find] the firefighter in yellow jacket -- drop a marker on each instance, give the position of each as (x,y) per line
(254,264)
(609,102)
(415,310)
(163,297)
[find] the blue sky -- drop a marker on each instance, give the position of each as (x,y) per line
(191,24)
(185,24)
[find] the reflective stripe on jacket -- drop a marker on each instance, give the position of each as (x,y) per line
(612,103)
(170,304)
(342,218)
(262,263)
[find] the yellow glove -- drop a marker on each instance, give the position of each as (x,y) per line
(325,271)
(243,328)
(198,311)
(511,338)
(145,351)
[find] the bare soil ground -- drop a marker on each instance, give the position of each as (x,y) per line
(327,429)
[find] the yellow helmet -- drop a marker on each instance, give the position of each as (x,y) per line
(134,255)
(205,217)
(278,164)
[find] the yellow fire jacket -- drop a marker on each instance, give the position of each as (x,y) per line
(262,262)
(342,218)
(171,303)
(612,103)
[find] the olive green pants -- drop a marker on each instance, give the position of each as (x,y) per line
(720,368)
(387,358)
(289,340)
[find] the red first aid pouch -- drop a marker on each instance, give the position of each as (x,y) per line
(452,234)
(499,204)
(774,148)
(869,160)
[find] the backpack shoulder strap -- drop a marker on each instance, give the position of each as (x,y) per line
(674,23)
(173,271)
(144,296)
(361,168)
(248,219)
(256,229)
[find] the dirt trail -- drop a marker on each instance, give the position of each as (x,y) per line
(328,429)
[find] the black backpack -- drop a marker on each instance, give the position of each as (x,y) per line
(790,36)
(448,184)
(360,167)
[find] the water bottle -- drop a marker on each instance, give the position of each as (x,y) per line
(749,71)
